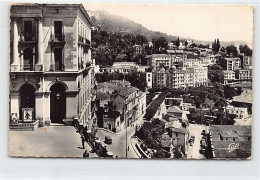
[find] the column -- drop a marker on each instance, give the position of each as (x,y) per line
(46,108)
(39,107)
(14,103)
(40,46)
(15,63)
(71,106)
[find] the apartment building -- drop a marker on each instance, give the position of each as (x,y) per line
(228,76)
(51,77)
(232,64)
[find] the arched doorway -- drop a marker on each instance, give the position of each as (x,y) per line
(58,103)
(28,59)
(27,99)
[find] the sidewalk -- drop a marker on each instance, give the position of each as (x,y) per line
(49,141)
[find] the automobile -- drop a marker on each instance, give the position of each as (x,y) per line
(203,132)
(109,154)
(108,140)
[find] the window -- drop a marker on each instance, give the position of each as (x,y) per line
(176,134)
(58,59)
(58,30)
(28,30)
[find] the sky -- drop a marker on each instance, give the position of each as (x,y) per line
(208,22)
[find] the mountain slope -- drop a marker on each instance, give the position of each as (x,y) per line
(120,24)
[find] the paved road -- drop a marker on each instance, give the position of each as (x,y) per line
(194,151)
(118,146)
(49,141)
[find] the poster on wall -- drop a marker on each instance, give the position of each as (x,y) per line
(27,114)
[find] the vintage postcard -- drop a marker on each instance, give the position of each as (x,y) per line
(131,81)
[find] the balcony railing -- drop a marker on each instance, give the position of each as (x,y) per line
(26,67)
(27,37)
(57,39)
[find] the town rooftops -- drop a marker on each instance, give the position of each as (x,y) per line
(174,51)
(245,97)
(175,126)
(160,55)
(232,59)
(231,141)
(229,71)
(117,88)
(124,64)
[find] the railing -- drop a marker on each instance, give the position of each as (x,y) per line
(27,37)
(80,39)
(26,67)
(58,38)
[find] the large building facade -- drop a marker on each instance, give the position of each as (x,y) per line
(50,63)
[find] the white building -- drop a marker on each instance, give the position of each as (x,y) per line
(228,75)
(240,112)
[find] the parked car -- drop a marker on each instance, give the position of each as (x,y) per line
(203,132)
(108,140)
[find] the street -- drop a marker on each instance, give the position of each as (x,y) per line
(118,146)
(194,151)
(50,141)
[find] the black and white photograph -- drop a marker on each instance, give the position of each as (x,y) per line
(131,81)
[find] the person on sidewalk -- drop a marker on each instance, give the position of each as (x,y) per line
(83,142)
(85,154)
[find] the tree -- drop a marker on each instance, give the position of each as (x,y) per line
(161,44)
(246,50)
(186,43)
(178,42)
(215,73)
(216,45)
(232,50)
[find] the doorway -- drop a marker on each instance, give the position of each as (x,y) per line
(57,103)
(27,98)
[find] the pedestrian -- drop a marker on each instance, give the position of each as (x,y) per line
(85,154)
(83,142)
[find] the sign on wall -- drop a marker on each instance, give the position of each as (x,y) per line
(27,114)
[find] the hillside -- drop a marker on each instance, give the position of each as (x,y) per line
(119,24)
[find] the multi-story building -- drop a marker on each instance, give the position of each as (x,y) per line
(240,112)
(228,76)
(200,76)
(232,64)
(51,77)
(149,79)
(120,67)
(245,74)
(158,60)
(247,60)
(138,49)
(128,100)
(161,77)
(180,77)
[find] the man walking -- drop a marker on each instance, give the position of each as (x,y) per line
(83,141)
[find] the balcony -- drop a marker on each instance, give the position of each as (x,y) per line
(57,40)
(27,40)
(84,42)
(26,67)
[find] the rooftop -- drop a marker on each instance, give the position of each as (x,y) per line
(174,109)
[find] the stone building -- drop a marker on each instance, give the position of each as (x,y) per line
(50,63)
